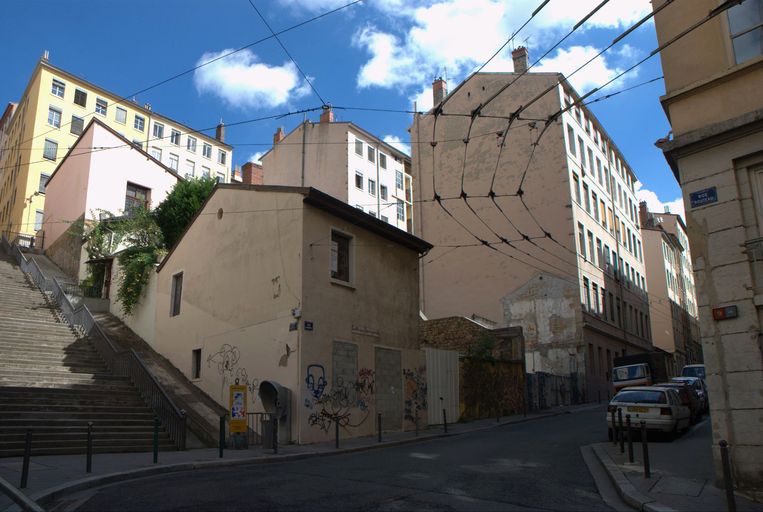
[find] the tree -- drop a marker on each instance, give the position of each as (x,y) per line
(179,207)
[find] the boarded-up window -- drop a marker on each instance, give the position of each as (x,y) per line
(340,256)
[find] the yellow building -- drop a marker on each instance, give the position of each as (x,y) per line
(50,116)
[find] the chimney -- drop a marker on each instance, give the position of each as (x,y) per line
(520,57)
(439,90)
(643,214)
(667,209)
(278,136)
(220,132)
(327,116)
(252,174)
(147,106)
(45,55)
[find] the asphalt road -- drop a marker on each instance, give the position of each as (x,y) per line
(528,466)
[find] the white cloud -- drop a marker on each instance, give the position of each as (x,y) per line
(568,60)
(389,64)
(255,157)
(424,99)
(241,80)
(654,204)
(397,143)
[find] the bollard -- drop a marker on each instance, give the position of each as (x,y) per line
(156,440)
(89,463)
(445,421)
(27,456)
(614,429)
(630,437)
(336,432)
(645,450)
(728,483)
(620,429)
(275,436)
(222,434)
(416,421)
(379,427)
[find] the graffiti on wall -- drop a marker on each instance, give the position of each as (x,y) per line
(226,359)
(415,392)
(342,402)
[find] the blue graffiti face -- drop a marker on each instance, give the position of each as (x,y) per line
(316,380)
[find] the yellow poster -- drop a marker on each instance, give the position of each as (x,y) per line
(237,409)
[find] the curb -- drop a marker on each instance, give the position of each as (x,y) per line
(625,489)
(52,493)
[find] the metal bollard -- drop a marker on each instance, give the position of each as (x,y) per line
(156,440)
(222,435)
(620,429)
(630,437)
(445,421)
(27,456)
(614,429)
(645,450)
(378,426)
(728,483)
(275,436)
(89,463)
(336,432)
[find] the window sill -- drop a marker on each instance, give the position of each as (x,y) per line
(339,282)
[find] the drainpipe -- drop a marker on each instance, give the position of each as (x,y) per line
(304,142)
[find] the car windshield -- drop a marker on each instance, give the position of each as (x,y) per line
(628,373)
(641,396)
(693,371)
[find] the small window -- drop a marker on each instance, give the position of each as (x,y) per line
(385,218)
(101,106)
(158,130)
(58,88)
(576,187)
(206,151)
(359,207)
(175,137)
(359,147)
(140,123)
(174,162)
(77,125)
(205,171)
(359,180)
(340,256)
(156,153)
(190,144)
(400,210)
(43,182)
(371,154)
(121,115)
(220,177)
(746,27)
(196,363)
(399,180)
(38,217)
(190,168)
(571,139)
(80,97)
(221,157)
(372,187)
(177,294)
(54,117)
(50,150)
(582,154)
(372,213)
(382,160)
(383,191)
(137,143)
(136,197)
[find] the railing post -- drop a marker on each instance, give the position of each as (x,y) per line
(221,441)
(27,456)
(614,429)
(630,437)
(275,435)
(645,450)
(336,432)
(89,463)
(156,440)
(416,421)
(621,429)
(445,421)
(728,483)
(379,426)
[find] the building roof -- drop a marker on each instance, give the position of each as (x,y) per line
(325,202)
(94,121)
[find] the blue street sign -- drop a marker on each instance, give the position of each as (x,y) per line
(703,197)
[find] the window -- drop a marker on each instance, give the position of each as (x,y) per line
(80,97)
(121,115)
(140,123)
(58,88)
(359,207)
(581,239)
(571,139)
(158,130)
(101,106)
(136,197)
(50,150)
(206,150)
(43,181)
(372,213)
(399,180)
(175,137)
(38,217)
(177,295)
(400,210)
(599,253)
(371,154)
(595,201)
(137,143)
(586,293)
(576,186)
(639,252)
(591,252)
(372,187)
(190,167)
(340,256)
(156,153)
(196,363)
(221,156)
(582,155)
(205,171)
(595,293)
(384,218)
(611,308)
(383,191)
(598,170)
(174,161)
(77,125)
(359,180)
(54,117)
(359,147)
(220,177)
(190,144)
(590,161)
(382,160)
(587,198)
(746,27)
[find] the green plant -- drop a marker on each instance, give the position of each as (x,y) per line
(136,264)
(180,206)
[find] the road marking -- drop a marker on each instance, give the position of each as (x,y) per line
(427,456)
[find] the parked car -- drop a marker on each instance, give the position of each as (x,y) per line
(694,370)
(689,397)
(699,386)
(660,408)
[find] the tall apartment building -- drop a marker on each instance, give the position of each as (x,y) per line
(51,114)
(672,295)
(581,301)
(347,162)
(713,83)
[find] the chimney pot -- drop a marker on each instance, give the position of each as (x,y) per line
(643,214)
(439,90)
(278,136)
(220,132)
(327,116)
(45,55)
(520,57)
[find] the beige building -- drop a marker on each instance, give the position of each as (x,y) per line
(581,301)
(346,162)
(713,83)
(672,296)
(303,293)
(52,113)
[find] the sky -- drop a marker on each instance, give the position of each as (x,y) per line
(380,54)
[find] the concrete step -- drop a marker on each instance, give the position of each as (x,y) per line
(105,423)
(70,384)
(89,402)
(114,407)
(57,375)
(51,359)
(87,415)
(70,393)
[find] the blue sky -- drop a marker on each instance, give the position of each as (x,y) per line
(378,53)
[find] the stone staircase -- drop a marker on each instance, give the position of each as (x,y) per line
(53,382)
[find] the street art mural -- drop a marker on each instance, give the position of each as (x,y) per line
(345,403)
(415,388)
(226,359)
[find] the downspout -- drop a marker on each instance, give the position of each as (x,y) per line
(304,142)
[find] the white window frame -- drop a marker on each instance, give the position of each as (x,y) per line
(139,123)
(158,130)
(175,137)
(58,88)
(174,159)
(52,111)
(190,144)
(101,106)
(123,111)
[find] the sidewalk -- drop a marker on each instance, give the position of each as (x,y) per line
(682,474)
(55,475)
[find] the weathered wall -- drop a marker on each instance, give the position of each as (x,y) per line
(143,317)
(66,251)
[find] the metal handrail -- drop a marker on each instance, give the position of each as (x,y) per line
(123,363)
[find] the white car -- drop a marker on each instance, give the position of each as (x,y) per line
(660,408)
